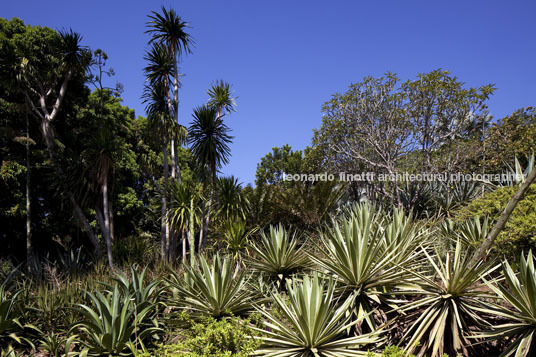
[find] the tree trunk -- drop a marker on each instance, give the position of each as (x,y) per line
(106,212)
(111,218)
(49,140)
(29,250)
(482,251)
(202,228)
(102,225)
(191,233)
(203,242)
(183,241)
(164,248)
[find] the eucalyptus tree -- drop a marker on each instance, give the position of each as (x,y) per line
(169,31)
(42,63)
(209,141)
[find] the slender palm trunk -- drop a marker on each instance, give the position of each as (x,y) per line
(106,213)
(191,233)
(203,242)
(102,225)
(164,248)
(183,241)
(111,218)
(29,250)
(202,229)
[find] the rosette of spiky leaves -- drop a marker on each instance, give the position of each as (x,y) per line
(114,325)
(449,304)
(236,236)
(356,255)
(311,322)
(519,292)
(403,235)
(218,288)
(278,255)
(136,286)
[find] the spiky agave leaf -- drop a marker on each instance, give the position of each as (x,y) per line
(449,304)
(115,325)
(359,258)
(277,256)
(310,322)
(216,289)
(519,292)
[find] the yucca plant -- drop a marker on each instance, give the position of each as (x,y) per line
(218,289)
(449,304)
(310,322)
(115,325)
(357,257)
(519,292)
(277,255)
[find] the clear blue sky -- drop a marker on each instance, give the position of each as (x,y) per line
(285,58)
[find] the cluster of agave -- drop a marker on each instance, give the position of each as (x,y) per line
(374,278)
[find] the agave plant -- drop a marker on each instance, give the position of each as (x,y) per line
(115,326)
(358,257)
(136,286)
(216,289)
(311,322)
(277,255)
(473,232)
(519,292)
(402,235)
(449,304)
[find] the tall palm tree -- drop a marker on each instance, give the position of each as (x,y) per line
(220,98)
(169,30)
(209,141)
(159,119)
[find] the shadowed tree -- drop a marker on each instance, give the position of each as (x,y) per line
(43,66)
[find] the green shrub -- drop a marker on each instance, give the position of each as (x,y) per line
(215,338)
(519,233)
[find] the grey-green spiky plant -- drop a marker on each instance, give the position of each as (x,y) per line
(449,304)
(363,261)
(277,256)
(216,289)
(519,292)
(114,325)
(311,322)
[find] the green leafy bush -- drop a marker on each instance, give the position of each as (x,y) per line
(215,338)
(519,234)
